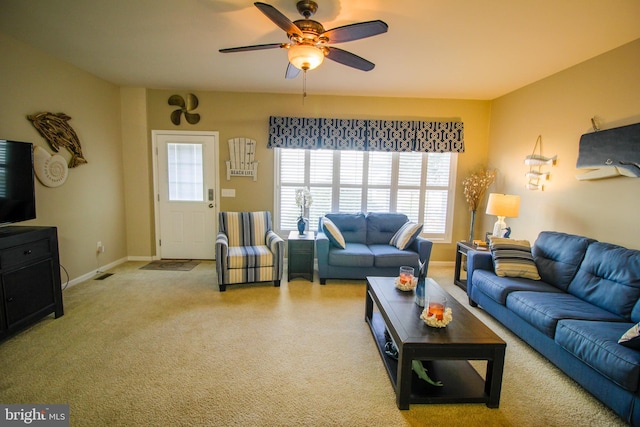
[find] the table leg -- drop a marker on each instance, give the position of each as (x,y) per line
(403,384)
(493,383)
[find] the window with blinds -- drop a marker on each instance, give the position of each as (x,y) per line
(419,185)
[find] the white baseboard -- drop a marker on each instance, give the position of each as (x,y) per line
(91,274)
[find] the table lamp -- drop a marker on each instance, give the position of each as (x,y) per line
(502,205)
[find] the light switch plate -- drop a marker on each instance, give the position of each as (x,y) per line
(228,192)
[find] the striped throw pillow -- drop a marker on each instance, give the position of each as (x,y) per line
(406,235)
(333,233)
(512,258)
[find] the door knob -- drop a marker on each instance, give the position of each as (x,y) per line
(210,205)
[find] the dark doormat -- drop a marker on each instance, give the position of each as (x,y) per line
(171,265)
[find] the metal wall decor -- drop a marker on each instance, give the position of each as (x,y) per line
(58,133)
(186,108)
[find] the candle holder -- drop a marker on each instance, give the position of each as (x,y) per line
(406,281)
(436,313)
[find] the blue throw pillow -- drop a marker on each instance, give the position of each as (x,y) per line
(406,235)
(333,233)
(631,338)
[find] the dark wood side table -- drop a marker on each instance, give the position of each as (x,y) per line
(300,255)
(461,249)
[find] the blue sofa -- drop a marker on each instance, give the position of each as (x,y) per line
(367,251)
(586,300)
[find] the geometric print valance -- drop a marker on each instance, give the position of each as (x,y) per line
(365,135)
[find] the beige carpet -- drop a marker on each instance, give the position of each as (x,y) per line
(162,348)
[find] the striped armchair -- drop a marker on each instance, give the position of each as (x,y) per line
(247,249)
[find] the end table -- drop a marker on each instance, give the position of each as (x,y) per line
(461,249)
(300,255)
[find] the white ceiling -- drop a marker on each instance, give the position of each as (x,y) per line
(468,49)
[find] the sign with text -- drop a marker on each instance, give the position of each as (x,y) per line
(34,415)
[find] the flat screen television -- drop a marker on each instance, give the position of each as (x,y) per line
(17,191)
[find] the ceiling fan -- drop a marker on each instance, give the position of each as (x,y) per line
(309,42)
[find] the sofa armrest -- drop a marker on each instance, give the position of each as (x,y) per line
(477,260)
(423,247)
(322,248)
(276,245)
(222,249)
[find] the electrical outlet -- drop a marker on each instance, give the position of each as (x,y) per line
(99,248)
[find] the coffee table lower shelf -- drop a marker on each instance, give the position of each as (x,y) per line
(461,382)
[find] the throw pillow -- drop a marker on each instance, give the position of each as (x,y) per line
(333,233)
(406,235)
(631,338)
(512,258)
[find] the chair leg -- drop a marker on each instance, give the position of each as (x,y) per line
(323,281)
(276,283)
(222,288)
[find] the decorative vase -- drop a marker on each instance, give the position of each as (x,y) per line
(301,226)
(420,291)
(420,288)
(472,226)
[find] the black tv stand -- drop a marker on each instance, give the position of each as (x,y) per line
(30,287)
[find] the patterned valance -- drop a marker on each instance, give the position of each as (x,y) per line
(365,135)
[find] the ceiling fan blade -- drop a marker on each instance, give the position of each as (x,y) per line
(292,72)
(278,18)
(349,59)
(357,31)
(254,47)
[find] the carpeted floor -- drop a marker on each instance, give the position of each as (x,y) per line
(163,348)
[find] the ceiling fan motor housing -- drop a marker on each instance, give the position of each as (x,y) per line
(307,8)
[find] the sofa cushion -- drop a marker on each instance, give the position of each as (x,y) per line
(382,226)
(353,255)
(631,337)
(390,256)
(595,343)
(353,226)
(512,258)
(406,235)
(558,256)
(609,277)
(250,256)
(543,310)
(497,288)
(333,233)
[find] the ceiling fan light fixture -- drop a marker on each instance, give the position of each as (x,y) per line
(305,57)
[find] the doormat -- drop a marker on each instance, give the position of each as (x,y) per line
(171,265)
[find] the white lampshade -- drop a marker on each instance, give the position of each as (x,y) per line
(505,205)
(305,57)
(502,205)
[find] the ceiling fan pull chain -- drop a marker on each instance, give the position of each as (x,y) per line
(304,85)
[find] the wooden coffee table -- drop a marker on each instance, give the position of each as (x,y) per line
(445,352)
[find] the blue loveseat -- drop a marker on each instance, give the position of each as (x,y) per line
(367,251)
(587,298)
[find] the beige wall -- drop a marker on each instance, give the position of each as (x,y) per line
(89,207)
(110,198)
(560,108)
(247,115)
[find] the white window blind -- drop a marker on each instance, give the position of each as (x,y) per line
(185,172)
(419,185)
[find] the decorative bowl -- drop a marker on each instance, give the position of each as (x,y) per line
(406,286)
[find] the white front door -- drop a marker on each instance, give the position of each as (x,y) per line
(186,188)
